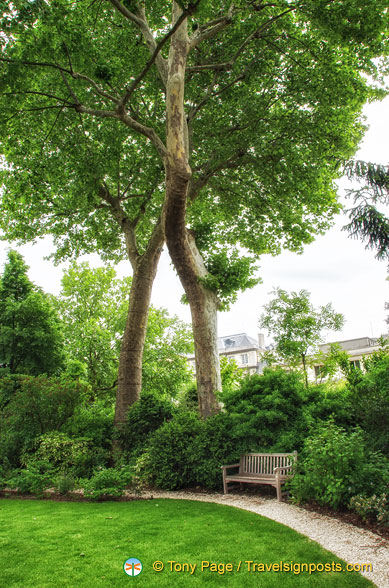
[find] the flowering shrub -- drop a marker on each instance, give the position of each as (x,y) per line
(374,508)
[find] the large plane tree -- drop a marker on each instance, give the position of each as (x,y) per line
(218,126)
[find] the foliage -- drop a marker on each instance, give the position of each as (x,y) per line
(329,401)
(30,331)
(108,482)
(272,98)
(32,480)
(32,406)
(169,462)
(93,305)
(370,398)
(144,417)
(367,222)
(369,392)
(266,411)
(169,340)
(297,326)
(231,374)
(65,483)
(188,451)
(374,508)
(336,465)
(93,421)
(75,455)
(229,272)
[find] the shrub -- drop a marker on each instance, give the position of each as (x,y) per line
(370,397)
(33,406)
(94,422)
(168,462)
(65,483)
(266,411)
(32,480)
(108,482)
(144,417)
(329,400)
(66,454)
(215,446)
(188,451)
(375,508)
(336,465)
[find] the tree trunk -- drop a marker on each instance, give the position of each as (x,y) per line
(305,371)
(204,306)
(131,354)
(182,248)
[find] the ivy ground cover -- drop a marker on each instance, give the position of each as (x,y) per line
(48,544)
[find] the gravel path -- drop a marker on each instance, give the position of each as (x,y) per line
(350,543)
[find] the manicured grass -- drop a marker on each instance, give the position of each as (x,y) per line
(47,544)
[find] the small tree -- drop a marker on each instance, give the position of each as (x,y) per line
(30,330)
(297,326)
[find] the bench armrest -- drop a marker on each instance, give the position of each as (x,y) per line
(234,465)
(279,469)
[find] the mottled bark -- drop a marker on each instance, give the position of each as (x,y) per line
(131,354)
(183,251)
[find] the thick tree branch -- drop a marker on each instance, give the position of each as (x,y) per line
(152,59)
(126,226)
(211,29)
(127,13)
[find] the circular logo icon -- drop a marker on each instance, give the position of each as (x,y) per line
(132,566)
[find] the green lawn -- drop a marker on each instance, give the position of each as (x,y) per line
(45,543)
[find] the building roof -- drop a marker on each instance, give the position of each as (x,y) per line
(235,343)
(352,344)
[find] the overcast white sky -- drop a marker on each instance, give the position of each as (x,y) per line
(334,268)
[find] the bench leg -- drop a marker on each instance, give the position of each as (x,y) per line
(279,493)
(225,486)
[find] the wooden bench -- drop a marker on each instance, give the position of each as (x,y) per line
(261,468)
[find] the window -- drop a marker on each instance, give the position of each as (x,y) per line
(244,358)
(319,371)
(355,363)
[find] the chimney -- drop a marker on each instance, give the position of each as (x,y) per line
(261,340)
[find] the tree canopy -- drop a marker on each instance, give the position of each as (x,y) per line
(248,109)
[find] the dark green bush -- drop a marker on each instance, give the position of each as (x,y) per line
(188,451)
(144,417)
(326,401)
(370,399)
(33,406)
(267,411)
(32,480)
(108,482)
(336,465)
(94,422)
(168,462)
(215,446)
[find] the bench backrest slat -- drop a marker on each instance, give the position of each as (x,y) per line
(264,463)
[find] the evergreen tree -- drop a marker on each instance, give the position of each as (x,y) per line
(30,334)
